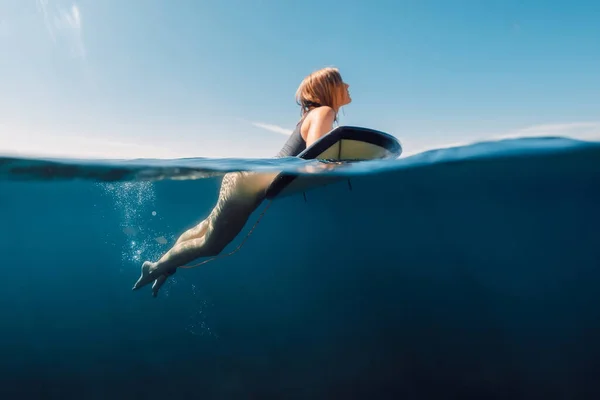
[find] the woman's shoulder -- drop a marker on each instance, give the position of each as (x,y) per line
(319,114)
(323,111)
(317,117)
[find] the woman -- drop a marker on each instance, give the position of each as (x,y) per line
(320,96)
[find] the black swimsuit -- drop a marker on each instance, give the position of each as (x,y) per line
(295,143)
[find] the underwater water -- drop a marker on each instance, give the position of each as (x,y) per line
(463,273)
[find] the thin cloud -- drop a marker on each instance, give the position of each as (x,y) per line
(42,6)
(64,23)
(272,128)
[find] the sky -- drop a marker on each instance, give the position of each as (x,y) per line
(217,78)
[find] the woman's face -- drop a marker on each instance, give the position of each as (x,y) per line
(345,94)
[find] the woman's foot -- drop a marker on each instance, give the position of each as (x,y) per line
(148,275)
(151,272)
(158,284)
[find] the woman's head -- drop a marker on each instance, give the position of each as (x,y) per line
(324,87)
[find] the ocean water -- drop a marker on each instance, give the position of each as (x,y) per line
(462,273)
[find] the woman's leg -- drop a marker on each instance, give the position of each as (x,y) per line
(221,230)
(183,252)
(240,194)
(194,233)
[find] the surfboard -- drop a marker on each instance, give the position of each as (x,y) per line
(342,144)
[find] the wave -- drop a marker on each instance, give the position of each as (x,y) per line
(46,169)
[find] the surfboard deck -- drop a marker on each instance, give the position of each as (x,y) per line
(341,144)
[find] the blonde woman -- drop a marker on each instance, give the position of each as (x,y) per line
(320,96)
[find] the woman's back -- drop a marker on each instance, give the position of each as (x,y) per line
(295,143)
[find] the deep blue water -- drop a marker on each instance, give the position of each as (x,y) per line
(465,273)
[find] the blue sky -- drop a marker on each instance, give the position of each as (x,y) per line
(185,78)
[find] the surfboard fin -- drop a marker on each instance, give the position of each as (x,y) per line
(349,185)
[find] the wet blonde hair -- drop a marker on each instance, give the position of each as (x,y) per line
(321,88)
